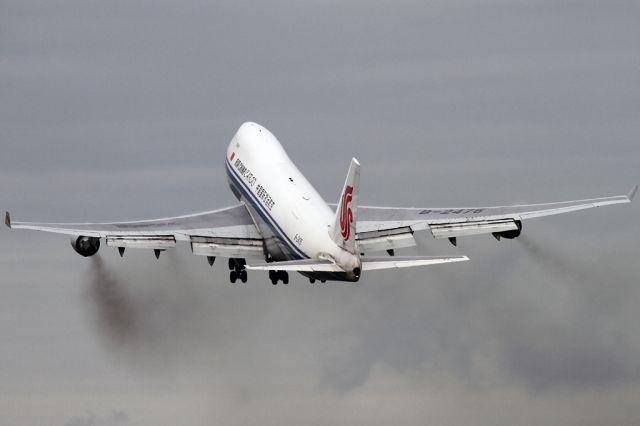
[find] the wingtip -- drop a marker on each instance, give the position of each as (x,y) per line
(632,193)
(7,220)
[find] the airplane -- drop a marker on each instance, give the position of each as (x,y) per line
(282,224)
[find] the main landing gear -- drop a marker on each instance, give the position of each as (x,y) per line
(276,276)
(237,270)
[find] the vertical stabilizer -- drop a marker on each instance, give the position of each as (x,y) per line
(343,229)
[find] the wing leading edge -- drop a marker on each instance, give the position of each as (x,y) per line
(232,222)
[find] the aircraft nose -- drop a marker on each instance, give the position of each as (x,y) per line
(251,132)
(251,128)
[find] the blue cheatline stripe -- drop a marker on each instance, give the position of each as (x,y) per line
(264,214)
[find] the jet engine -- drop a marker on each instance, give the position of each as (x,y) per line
(510,235)
(85,246)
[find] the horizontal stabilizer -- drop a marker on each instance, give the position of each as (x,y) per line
(306,265)
(368,263)
(373,263)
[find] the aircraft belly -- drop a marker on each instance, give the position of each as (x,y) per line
(274,248)
(330,276)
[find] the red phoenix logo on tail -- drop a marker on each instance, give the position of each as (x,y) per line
(346,217)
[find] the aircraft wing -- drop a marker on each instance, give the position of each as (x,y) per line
(387,228)
(228,232)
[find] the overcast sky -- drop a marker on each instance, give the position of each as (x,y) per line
(123,110)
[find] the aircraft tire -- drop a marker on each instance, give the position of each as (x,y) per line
(285,277)
(243,276)
(233,276)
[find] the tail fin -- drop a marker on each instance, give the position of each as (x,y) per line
(343,229)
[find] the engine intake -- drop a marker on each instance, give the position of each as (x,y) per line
(85,246)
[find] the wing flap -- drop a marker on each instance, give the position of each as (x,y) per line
(160,242)
(227,247)
(464,229)
(386,240)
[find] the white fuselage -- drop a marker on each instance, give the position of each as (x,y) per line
(292,217)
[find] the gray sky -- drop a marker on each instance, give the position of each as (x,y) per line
(122,110)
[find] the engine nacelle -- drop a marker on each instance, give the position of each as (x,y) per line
(510,235)
(85,246)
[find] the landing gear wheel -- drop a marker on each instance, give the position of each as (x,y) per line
(312,280)
(237,268)
(276,276)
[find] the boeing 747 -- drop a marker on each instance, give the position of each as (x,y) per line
(282,224)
